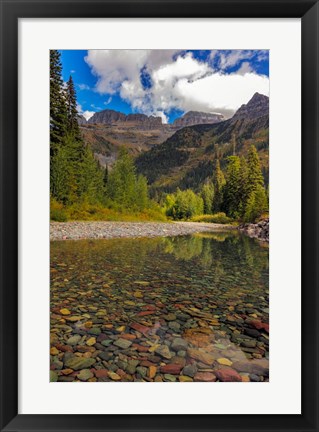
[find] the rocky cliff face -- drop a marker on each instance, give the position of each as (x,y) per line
(111,117)
(142,119)
(258,106)
(192,118)
(107,117)
(81,120)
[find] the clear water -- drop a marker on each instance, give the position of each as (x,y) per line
(211,290)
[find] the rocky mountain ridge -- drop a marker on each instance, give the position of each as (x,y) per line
(112,117)
(192,118)
(258,106)
(109,117)
(186,158)
(107,130)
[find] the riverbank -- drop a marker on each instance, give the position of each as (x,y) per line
(259,230)
(97,230)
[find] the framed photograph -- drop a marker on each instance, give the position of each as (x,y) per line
(159,213)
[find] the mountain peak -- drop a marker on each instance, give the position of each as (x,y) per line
(258,97)
(110,117)
(257,106)
(192,118)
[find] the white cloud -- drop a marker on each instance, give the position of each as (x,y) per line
(183,67)
(112,67)
(96,107)
(223,93)
(233,57)
(263,55)
(162,115)
(179,81)
(72,71)
(86,114)
(83,87)
(244,68)
(108,101)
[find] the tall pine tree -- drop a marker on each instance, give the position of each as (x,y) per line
(72,112)
(121,181)
(58,111)
(243,186)
(231,202)
(255,176)
(256,194)
(207,194)
(218,183)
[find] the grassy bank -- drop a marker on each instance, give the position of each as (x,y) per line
(219,218)
(88,212)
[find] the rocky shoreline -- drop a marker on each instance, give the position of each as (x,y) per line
(259,230)
(107,230)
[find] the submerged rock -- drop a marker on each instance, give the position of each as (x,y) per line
(77,363)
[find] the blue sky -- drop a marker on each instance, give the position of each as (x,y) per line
(166,83)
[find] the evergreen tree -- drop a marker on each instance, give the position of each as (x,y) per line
(218,183)
(74,173)
(256,194)
(58,112)
(231,202)
(255,176)
(72,113)
(243,186)
(59,175)
(141,193)
(65,164)
(207,194)
(106,176)
(256,204)
(121,182)
(90,178)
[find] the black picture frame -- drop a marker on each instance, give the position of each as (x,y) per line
(11,11)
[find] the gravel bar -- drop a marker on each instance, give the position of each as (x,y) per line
(107,230)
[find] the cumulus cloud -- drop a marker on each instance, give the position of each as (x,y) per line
(86,114)
(177,80)
(244,68)
(162,115)
(113,67)
(223,93)
(232,58)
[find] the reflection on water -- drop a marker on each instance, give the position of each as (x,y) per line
(190,308)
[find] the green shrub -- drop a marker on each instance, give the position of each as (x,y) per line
(184,205)
(57,211)
(219,218)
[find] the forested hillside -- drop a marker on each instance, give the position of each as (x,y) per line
(185,160)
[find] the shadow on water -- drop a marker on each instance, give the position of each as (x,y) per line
(188,308)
